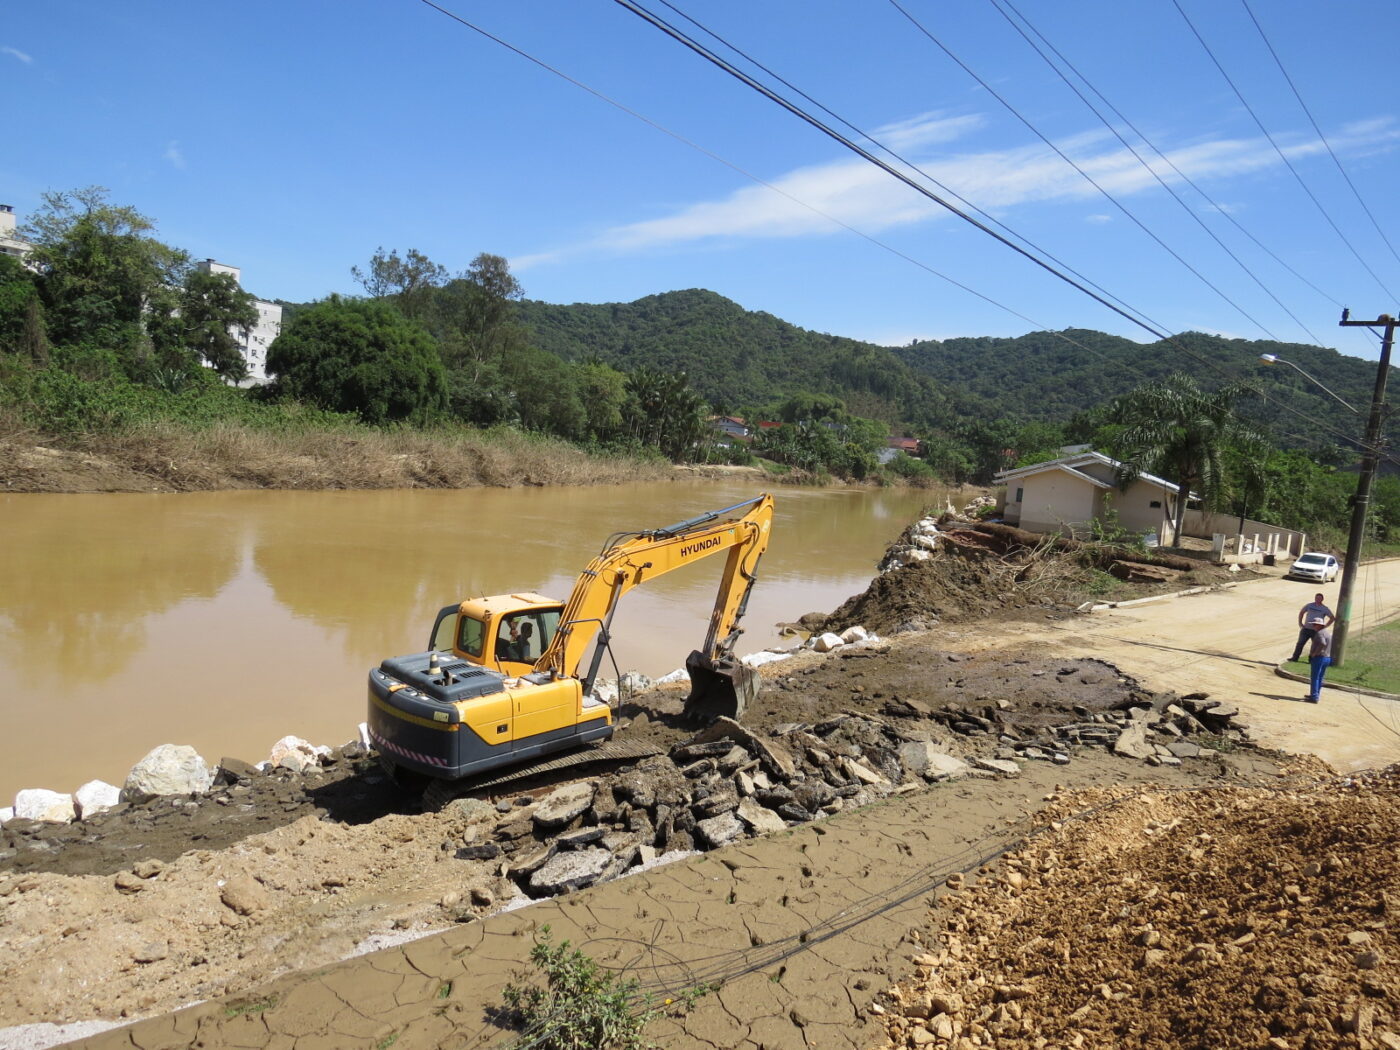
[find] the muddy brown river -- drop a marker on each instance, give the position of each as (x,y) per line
(226,620)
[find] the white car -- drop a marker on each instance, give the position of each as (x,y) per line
(1313,566)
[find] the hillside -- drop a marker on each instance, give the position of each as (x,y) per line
(739,358)
(1042,376)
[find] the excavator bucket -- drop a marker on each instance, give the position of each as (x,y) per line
(718,689)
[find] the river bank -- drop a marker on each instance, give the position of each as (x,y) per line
(169,459)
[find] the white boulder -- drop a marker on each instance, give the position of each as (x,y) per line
(680,674)
(8,813)
(824,643)
(171,769)
(766,657)
(633,682)
(296,754)
(854,634)
(41,804)
(94,797)
(605,691)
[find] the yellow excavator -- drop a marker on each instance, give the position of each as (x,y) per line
(500,684)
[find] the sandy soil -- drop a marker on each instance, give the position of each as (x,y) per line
(1234,917)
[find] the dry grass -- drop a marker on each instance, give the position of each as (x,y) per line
(176,459)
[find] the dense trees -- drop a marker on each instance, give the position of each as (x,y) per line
(111,296)
(361,357)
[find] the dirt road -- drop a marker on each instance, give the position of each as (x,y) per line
(1228,643)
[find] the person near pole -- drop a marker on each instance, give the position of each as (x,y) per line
(1319,657)
(1314,610)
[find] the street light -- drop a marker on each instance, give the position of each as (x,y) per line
(1274,359)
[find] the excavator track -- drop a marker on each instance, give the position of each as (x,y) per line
(441,792)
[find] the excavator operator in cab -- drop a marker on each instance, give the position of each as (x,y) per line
(519,646)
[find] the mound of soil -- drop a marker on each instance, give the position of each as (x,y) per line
(958,585)
(1238,917)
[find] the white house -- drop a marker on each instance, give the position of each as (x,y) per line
(252,342)
(1069,493)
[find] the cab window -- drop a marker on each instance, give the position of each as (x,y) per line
(524,637)
(470,636)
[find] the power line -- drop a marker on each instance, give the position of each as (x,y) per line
(1086,176)
(710,56)
(1330,152)
(867,136)
(1162,336)
(1150,169)
(1282,156)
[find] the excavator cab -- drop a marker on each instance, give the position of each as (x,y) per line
(507,633)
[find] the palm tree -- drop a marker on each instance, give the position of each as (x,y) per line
(1175,429)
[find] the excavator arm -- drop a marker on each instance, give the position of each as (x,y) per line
(720,685)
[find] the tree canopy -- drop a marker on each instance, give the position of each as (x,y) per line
(362,357)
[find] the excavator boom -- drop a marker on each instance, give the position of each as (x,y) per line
(720,685)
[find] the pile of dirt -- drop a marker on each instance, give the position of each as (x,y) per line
(1225,917)
(960,583)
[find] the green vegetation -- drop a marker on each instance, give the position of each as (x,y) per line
(362,358)
(109,333)
(580,1006)
(1175,429)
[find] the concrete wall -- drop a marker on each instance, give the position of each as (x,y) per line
(1264,539)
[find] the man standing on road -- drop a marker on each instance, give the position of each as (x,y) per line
(1313,611)
(1320,656)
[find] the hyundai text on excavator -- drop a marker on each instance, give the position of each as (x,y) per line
(500,684)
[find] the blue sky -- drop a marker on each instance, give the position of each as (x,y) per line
(292,139)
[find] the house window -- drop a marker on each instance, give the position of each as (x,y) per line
(1020,492)
(1156,503)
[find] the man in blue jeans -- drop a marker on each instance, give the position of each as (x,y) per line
(1319,657)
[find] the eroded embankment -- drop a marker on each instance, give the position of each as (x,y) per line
(167,459)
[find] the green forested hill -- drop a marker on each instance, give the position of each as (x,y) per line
(1042,376)
(740,359)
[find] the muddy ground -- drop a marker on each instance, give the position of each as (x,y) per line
(1226,917)
(124,915)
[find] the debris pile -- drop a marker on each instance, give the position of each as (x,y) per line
(1224,918)
(1155,728)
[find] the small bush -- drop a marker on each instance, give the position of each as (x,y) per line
(580,1007)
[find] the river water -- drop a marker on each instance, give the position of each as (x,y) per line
(226,620)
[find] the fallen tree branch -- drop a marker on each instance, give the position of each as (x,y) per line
(1103,554)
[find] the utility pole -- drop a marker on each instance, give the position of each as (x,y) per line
(1370,459)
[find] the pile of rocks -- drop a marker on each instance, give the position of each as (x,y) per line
(916,545)
(1154,728)
(168,770)
(723,784)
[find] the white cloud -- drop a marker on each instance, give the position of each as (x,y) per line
(1098,219)
(804,202)
(172,153)
(16,53)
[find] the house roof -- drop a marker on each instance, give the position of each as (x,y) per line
(1081,459)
